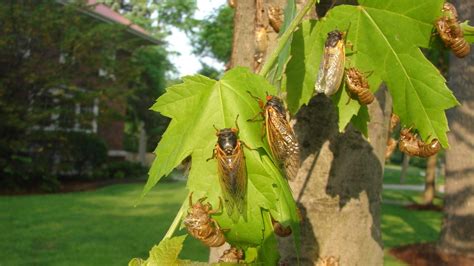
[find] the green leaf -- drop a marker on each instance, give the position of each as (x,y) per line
(284,56)
(165,253)
(195,106)
(468,31)
(385,38)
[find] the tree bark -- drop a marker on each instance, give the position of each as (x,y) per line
(339,184)
(429,192)
(457,234)
(405,165)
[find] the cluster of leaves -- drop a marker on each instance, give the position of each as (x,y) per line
(385,36)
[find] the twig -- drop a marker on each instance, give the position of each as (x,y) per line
(284,38)
(176,221)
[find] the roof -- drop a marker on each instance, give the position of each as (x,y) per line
(105,13)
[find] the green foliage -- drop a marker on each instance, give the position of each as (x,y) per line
(165,253)
(385,39)
(120,170)
(209,71)
(156,16)
(191,132)
(468,32)
(214,35)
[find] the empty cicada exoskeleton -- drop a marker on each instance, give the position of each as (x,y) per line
(232,3)
(200,224)
(231,170)
(281,230)
(358,86)
(232,255)
(411,145)
(451,33)
(275,17)
(281,138)
(394,120)
(331,68)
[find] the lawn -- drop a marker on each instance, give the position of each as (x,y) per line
(415,175)
(103,227)
(89,228)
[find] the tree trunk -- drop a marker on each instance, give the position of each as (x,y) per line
(457,234)
(405,165)
(429,192)
(339,185)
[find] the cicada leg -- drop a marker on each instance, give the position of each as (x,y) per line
(219,208)
(212,156)
(247,146)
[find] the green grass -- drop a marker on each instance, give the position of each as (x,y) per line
(415,176)
(104,228)
(90,228)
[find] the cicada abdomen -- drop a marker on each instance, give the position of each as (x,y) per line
(231,170)
(280,230)
(358,86)
(200,224)
(331,68)
(232,255)
(411,145)
(450,31)
(275,17)
(281,138)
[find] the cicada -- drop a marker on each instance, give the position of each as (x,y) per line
(280,230)
(358,86)
(231,169)
(331,68)
(281,138)
(411,145)
(232,255)
(450,31)
(200,224)
(275,17)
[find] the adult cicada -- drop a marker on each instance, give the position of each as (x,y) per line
(331,69)
(358,86)
(231,170)
(200,224)
(411,145)
(280,135)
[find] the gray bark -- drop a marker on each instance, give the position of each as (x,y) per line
(429,192)
(405,165)
(457,234)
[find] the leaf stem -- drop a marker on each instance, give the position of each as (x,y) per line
(285,37)
(176,221)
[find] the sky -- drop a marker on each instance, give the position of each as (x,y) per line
(186,63)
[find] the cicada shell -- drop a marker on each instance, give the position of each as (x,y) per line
(231,170)
(411,145)
(280,230)
(328,261)
(232,255)
(232,3)
(450,31)
(394,120)
(281,138)
(358,86)
(391,145)
(261,40)
(275,17)
(200,224)
(331,68)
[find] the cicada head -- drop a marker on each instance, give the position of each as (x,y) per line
(450,11)
(334,37)
(227,140)
(276,103)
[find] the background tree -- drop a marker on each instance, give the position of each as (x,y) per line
(457,233)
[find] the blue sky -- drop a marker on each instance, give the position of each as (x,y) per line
(186,63)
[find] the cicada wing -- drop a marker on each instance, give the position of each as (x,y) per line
(320,85)
(283,142)
(335,69)
(233,180)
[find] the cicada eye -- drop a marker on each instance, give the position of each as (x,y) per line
(269,97)
(235,130)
